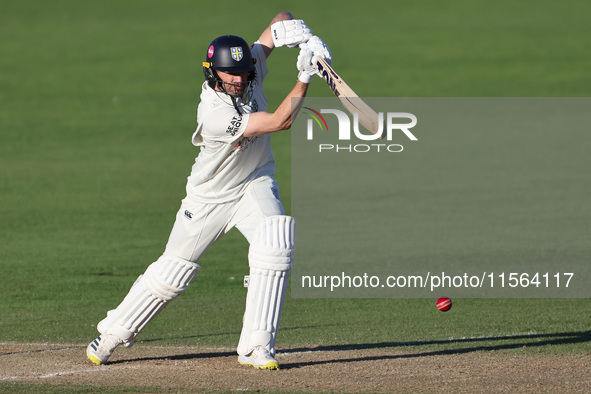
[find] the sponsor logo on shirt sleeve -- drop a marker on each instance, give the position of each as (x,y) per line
(234,126)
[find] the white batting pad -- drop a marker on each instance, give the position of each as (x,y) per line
(163,281)
(270,256)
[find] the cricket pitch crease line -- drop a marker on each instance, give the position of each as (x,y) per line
(106,368)
(39,350)
(73,346)
(73,372)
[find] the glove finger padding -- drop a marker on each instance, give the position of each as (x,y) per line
(305,65)
(290,33)
(319,47)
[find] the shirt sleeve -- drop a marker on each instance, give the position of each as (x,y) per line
(257,52)
(224,125)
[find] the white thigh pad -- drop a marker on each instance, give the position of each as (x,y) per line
(270,257)
(163,281)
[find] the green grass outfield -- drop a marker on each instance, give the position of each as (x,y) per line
(97,106)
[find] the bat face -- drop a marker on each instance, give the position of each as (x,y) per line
(368,118)
(326,72)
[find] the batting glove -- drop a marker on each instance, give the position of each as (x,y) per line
(305,64)
(290,33)
(316,45)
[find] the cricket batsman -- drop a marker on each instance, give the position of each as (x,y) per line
(231,185)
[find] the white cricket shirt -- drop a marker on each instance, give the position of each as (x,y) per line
(227,161)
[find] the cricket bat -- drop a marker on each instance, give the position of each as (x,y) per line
(368,118)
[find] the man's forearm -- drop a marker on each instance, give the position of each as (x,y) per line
(290,107)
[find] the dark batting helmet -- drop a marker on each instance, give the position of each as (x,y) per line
(230,54)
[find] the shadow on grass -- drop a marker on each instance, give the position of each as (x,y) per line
(517,342)
(190,356)
(487,344)
(220,334)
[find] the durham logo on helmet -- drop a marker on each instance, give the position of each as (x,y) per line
(236,53)
(395,122)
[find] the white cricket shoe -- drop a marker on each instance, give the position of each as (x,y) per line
(259,358)
(101,348)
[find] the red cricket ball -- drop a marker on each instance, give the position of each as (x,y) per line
(444,304)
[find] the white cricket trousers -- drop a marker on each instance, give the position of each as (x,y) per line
(198,226)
